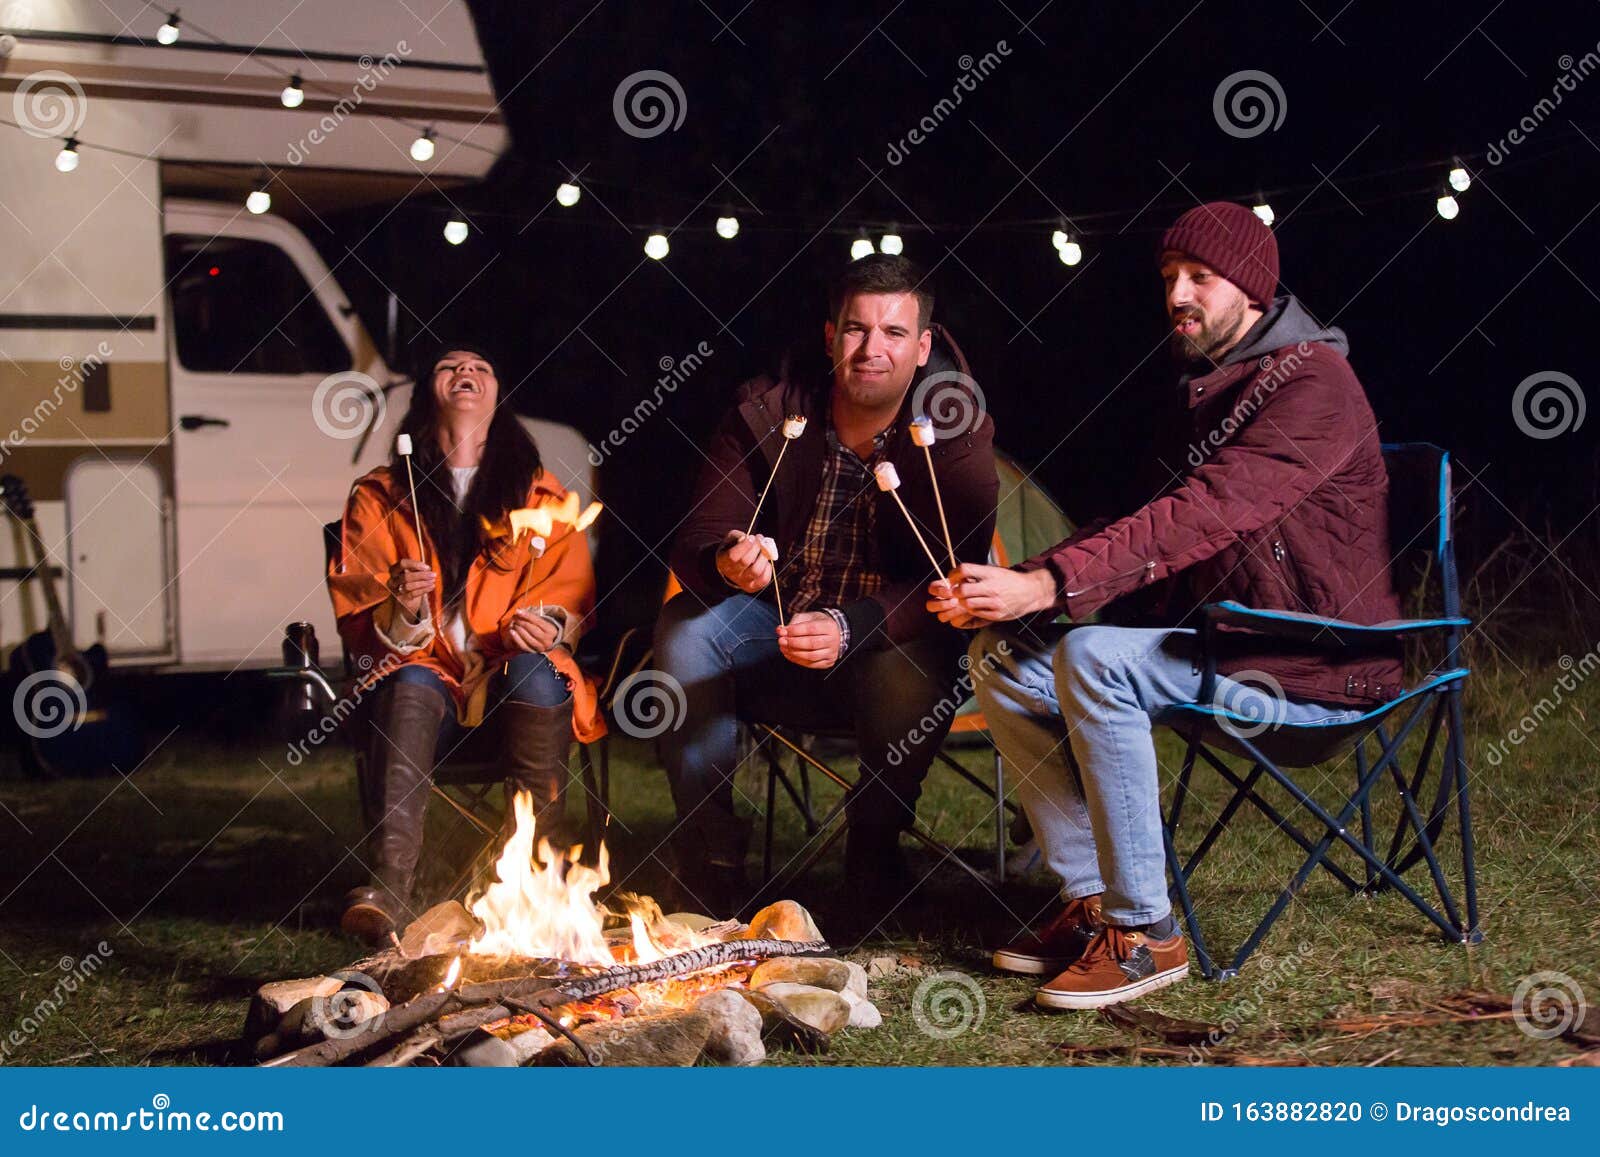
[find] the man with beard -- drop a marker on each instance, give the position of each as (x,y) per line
(1285,508)
(829,636)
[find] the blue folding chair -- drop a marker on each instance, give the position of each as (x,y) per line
(1423,554)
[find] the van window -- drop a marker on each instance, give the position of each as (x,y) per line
(241,307)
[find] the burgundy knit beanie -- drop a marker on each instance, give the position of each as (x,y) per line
(1234,242)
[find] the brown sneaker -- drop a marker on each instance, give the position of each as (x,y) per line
(1118,965)
(1057,944)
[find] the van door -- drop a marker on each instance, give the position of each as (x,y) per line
(269,404)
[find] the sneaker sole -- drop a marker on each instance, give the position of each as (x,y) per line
(1030,965)
(1049,998)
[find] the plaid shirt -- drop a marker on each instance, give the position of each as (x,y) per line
(834,563)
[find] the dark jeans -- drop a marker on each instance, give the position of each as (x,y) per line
(528,678)
(897,702)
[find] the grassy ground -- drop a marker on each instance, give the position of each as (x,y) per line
(219,867)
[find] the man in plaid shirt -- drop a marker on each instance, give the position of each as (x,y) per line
(854,651)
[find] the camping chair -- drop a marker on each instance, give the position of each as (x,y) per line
(465,776)
(1027,521)
(1423,554)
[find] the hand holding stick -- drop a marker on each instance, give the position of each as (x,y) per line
(889,482)
(402,445)
(922,433)
(793,426)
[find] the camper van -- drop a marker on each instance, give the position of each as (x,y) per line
(186,393)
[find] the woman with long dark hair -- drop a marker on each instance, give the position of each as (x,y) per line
(474,619)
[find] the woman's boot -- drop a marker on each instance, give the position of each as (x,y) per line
(403,733)
(536,742)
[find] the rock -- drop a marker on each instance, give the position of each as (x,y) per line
(735,1037)
(530,1043)
(781,1027)
(858,979)
(324,1017)
(820,1008)
(693,921)
(272,1002)
(863,1013)
(784,920)
(818,973)
(482,1050)
(881,966)
(670,1039)
(441,928)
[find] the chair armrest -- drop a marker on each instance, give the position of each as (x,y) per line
(1318,630)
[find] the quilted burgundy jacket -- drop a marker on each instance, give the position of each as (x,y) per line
(1285,508)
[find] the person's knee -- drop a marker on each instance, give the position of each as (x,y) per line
(1089,666)
(533,680)
(684,632)
(991,662)
(411,675)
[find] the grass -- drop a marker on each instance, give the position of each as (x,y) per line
(219,866)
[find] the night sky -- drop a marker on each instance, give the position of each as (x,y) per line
(1099,113)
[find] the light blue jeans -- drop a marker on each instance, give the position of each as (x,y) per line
(1073,710)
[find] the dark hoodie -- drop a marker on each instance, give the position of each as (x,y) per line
(1285,508)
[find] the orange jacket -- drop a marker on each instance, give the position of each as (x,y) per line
(378,529)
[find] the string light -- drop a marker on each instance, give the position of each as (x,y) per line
(727,228)
(1460,179)
(455,231)
(1058,239)
(567,194)
(1448,207)
(860,247)
(1070,252)
(259,201)
(168,32)
(294,93)
(892,244)
(656,247)
(422,147)
(67,158)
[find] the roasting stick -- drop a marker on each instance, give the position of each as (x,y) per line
(769,551)
(922,433)
(402,444)
(793,426)
(889,482)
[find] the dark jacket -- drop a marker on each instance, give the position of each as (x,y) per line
(745,447)
(1285,508)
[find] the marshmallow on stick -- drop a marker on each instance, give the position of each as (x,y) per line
(793,426)
(402,445)
(769,551)
(889,482)
(924,435)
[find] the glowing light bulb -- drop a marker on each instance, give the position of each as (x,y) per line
(422,147)
(567,194)
(1460,179)
(259,201)
(1058,238)
(892,244)
(294,95)
(1447,206)
(168,32)
(1071,253)
(455,231)
(656,247)
(859,248)
(727,228)
(67,158)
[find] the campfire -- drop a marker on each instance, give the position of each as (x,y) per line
(532,970)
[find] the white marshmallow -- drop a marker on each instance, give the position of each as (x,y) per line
(402,444)
(793,426)
(888,476)
(536,544)
(922,431)
(769,547)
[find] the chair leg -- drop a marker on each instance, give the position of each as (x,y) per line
(1180,884)
(1366,805)
(1456,757)
(999,817)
